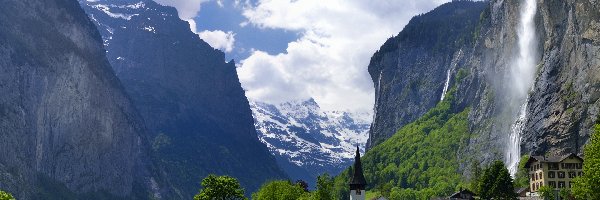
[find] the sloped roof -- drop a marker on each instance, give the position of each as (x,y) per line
(358,178)
(550,159)
(458,194)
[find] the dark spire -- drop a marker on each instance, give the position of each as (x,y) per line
(358,179)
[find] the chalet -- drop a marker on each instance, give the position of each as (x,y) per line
(554,171)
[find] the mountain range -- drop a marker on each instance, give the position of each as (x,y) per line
(308,141)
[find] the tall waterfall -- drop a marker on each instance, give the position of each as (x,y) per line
(523,73)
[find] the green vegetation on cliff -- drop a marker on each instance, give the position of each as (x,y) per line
(420,160)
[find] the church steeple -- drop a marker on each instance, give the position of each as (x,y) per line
(357,182)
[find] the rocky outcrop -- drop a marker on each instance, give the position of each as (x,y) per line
(196,111)
(67,129)
(562,106)
(412,71)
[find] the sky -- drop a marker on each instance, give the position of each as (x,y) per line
(290,50)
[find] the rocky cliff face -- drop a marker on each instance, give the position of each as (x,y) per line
(190,98)
(562,105)
(308,141)
(412,71)
(67,129)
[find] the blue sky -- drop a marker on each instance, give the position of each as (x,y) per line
(297,49)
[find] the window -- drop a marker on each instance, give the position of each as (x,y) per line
(579,165)
(561,184)
(570,184)
(553,166)
(579,173)
(561,174)
(572,174)
(551,174)
(541,175)
(552,184)
(536,177)
(562,165)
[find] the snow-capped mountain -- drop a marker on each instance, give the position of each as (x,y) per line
(308,141)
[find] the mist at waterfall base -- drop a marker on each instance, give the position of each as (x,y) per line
(523,68)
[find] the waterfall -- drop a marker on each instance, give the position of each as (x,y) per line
(514,141)
(446,85)
(523,73)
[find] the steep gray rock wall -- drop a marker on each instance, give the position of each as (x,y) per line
(562,107)
(410,70)
(190,98)
(67,128)
(565,99)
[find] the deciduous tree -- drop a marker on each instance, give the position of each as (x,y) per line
(588,185)
(220,188)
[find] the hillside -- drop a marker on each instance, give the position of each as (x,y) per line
(507,116)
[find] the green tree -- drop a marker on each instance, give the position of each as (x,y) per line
(475,175)
(565,193)
(588,185)
(279,190)
(324,188)
(522,176)
(546,192)
(6,196)
(220,188)
(496,183)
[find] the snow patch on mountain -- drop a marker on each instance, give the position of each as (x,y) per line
(301,133)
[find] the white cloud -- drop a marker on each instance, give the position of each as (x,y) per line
(219,39)
(187,9)
(329,61)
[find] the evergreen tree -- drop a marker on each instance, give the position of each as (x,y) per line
(220,188)
(475,175)
(496,183)
(588,186)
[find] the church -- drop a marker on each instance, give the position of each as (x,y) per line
(357,181)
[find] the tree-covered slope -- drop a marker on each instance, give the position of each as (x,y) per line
(421,158)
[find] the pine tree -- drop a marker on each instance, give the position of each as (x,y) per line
(496,183)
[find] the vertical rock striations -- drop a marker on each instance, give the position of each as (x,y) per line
(411,70)
(191,99)
(562,107)
(67,129)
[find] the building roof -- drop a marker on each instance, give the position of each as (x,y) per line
(358,179)
(550,159)
(461,193)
